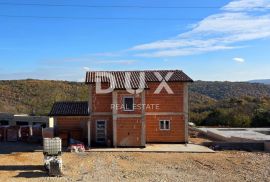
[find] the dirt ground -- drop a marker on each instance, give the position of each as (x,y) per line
(220,166)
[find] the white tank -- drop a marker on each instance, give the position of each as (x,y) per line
(52,146)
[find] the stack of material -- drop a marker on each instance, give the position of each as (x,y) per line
(3,133)
(12,133)
(47,132)
(25,133)
(77,148)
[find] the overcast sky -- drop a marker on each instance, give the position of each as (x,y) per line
(209,40)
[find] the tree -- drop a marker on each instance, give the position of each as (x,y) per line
(240,120)
(261,118)
(218,117)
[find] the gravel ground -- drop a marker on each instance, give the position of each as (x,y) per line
(220,166)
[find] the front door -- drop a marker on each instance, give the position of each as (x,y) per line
(101,134)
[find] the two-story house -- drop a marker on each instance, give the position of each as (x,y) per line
(128,109)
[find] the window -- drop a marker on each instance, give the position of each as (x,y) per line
(101,133)
(128,103)
(164,125)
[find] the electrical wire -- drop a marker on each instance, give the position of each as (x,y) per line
(108,6)
(100,18)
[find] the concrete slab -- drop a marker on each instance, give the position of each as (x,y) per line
(174,148)
(238,134)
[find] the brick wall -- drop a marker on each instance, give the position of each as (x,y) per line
(71,122)
(129,132)
(71,126)
(129,129)
(176,134)
(120,101)
(167,102)
(101,102)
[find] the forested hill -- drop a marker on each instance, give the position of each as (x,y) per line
(227,90)
(37,96)
(230,104)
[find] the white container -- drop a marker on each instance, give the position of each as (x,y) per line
(52,146)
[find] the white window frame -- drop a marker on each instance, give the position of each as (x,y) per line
(164,124)
(128,97)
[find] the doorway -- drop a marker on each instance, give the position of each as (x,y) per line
(101,132)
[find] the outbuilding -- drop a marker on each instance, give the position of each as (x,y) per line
(70,120)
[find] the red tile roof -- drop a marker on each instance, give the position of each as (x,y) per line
(177,76)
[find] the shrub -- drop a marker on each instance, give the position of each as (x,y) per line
(261,118)
(240,120)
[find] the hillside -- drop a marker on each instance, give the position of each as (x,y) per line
(38,96)
(264,81)
(230,104)
(227,90)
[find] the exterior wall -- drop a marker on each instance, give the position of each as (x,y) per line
(109,129)
(100,109)
(123,128)
(135,128)
(100,102)
(171,107)
(129,132)
(71,127)
(167,102)
(120,101)
(129,125)
(176,134)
